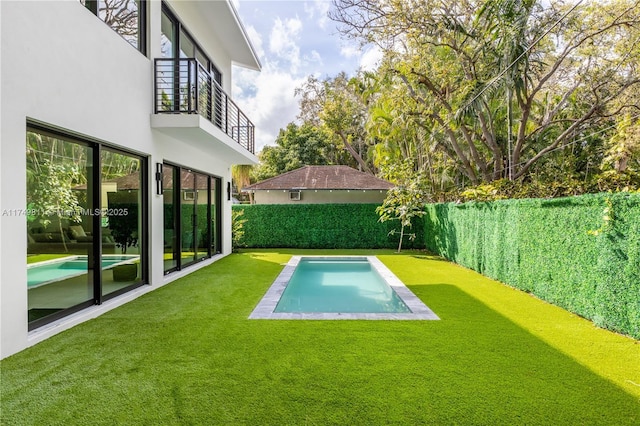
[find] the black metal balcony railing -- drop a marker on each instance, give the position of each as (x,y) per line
(184,86)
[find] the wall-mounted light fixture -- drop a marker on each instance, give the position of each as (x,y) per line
(228,191)
(159,188)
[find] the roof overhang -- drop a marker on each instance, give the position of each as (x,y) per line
(229,31)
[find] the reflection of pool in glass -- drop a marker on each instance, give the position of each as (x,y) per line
(55,270)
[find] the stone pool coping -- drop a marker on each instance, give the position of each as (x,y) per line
(266,306)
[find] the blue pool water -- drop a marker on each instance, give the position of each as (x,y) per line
(50,271)
(338,285)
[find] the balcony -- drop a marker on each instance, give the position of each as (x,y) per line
(184,86)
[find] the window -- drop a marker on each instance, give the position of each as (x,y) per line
(191,216)
(86,239)
(294,195)
(126,17)
(176,42)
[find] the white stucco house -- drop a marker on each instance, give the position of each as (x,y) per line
(117,137)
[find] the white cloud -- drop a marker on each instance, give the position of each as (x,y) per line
(283,41)
(318,10)
(370,59)
(314,56)
(292,43)
(269,101)
(350,51)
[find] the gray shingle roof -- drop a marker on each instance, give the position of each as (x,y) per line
(322,177)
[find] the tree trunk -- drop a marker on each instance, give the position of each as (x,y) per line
(401,237)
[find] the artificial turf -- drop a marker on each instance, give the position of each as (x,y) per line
(187,354)
(35,258)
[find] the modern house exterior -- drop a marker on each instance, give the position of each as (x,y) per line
(117,137)
(320,185)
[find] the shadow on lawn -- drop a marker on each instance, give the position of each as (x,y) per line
(187,354)
(502,371)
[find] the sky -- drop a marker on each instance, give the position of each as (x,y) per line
(293,39)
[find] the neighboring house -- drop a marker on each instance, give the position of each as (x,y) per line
(116,143)
(320,185)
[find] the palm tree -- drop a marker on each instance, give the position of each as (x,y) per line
(241,175)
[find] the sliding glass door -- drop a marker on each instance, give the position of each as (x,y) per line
(191,213)
(122,231)
(85,224)
(59,191)
(171,227)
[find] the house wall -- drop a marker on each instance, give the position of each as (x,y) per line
(312,196)
(64,67)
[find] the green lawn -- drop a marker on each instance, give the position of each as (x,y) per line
(35,258)
(187,354)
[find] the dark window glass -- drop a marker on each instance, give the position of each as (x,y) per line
(191,217)
(121,221)
(171,252)
(187,46)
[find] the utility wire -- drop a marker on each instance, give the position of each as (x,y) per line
(527,50)
(603,130)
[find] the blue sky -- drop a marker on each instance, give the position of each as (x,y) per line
(293,39)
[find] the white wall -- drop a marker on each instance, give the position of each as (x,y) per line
(63,66)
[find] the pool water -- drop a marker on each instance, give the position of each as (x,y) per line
(339,285)
(50,271)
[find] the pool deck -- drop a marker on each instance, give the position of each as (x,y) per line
(265,309)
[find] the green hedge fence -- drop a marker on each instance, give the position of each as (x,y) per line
(580,253)
(323,226)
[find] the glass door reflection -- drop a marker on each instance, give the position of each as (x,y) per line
(121,221)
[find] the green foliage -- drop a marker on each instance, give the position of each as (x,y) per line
(237,231)
(405,201)
(482,91)
(52,192)
(339,106)
(580,253)
(608,181)
(124,222)
(296,146)
(319,226)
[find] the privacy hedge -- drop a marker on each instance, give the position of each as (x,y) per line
(321,226)
(580,253)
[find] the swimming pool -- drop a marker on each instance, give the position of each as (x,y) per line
(42,273)
(339,287)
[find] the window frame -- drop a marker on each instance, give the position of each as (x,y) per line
(93,7)
(213,235)
(95,146)
(178,29)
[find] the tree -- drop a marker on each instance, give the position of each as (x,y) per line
(52,195)
(624,146)
(339,105)
(241,175)
(501,86)
(296,146)
(406,200)
(53,170)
